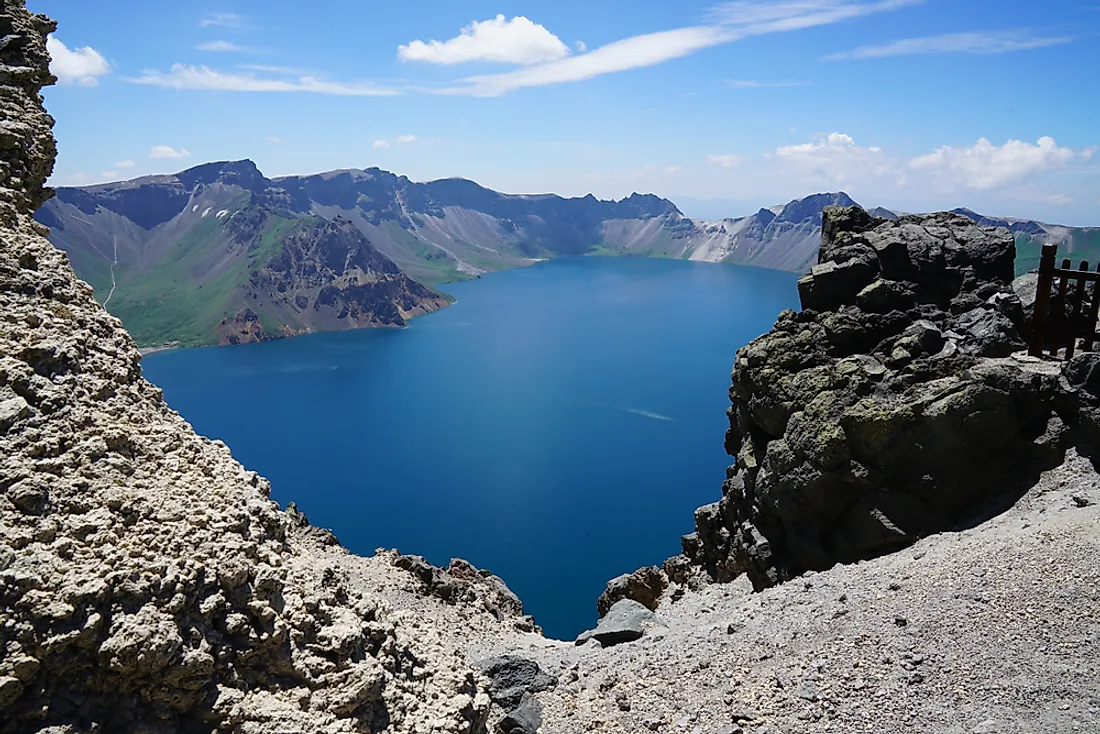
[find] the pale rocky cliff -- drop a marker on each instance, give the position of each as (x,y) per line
(147,583)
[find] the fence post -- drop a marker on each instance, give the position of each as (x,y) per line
(1042,299)
(1076,304)
(1057,317)
(1094,312)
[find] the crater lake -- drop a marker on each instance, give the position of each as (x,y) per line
(558,425)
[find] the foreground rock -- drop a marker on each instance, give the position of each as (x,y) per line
(147,583)
(996,626)
(626,621)
(892,407)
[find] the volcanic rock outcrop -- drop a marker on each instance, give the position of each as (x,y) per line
(898,403)
(147,583)
(895,405)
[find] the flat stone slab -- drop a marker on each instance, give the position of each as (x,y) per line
(626,621)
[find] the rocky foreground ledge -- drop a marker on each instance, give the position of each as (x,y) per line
(147,583)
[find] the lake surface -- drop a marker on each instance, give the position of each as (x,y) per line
(558,425)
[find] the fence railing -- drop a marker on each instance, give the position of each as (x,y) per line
(1066,309)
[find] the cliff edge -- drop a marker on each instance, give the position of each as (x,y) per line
(147,583)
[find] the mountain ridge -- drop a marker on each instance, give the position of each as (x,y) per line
(127,236)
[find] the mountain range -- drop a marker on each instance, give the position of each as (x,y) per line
(219,253)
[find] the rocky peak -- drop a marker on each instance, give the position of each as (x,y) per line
(243,173)
(1016,227)
(645,206)
(809,209)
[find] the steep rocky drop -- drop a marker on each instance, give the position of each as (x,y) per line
(147,583)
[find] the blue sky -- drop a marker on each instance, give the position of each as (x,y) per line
(910,104)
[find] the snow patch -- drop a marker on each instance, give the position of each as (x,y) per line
(206,210)
(221,213)
(195,208)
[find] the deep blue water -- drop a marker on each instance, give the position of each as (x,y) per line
(558,425)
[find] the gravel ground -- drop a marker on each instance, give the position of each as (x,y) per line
(992,629)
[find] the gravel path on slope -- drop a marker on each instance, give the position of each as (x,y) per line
(994,629)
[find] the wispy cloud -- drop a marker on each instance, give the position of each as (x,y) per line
(167,151)
(725,160)
(222,46)
(222,20)
(729,22)
(515,41)
(124,164)
(185,76)
(984,43)
(81,66)
(748,84)
(274,139)
(288,70)
(400,140)
(1057,199)
(986,166)
(109,174)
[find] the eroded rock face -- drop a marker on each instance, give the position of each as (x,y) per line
(147,583)
(463,583)
(897,404)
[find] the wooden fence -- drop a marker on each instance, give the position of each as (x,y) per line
(1066,308)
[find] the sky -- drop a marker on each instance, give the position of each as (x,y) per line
(723,107)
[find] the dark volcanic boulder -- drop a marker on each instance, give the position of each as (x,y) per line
(644,586)
(897,404)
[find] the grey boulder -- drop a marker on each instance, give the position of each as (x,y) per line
(626,621)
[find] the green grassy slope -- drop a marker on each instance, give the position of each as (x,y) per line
(168,303)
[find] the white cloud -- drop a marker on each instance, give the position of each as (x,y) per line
(986,166)
(405,139)
(726,160)
(167,151)
(629,53)
(221,46)
(380,144)
(124,164)
(581,46)
(747,84)
(109,174)
(836,160)
(515,41)
(793,14)
(1058,199)
(731,21)
(81,66)
(986,43)
(222,20)
(673,169)
(185,76)
(274,139)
